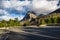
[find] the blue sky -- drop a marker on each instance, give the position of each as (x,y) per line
(11,9)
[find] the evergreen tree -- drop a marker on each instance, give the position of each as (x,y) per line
(16,22)
(42,21)
(11,22)
(3,23)
(49,20)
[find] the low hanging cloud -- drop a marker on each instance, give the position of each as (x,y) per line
(45,6)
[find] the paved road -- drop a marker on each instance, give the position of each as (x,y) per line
(30,33)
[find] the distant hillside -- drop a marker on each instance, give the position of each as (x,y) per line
(41,15)
(56,11)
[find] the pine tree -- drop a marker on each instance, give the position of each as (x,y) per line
(3,23)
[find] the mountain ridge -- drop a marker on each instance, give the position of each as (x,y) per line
(27,16)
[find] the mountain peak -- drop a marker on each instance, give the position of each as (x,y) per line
(31,12)
(29,15)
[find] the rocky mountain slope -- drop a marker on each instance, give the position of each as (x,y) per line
(34,19)
(28,16)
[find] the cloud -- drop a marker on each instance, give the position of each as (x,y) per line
(3,12)
(4,15)
(44,7)
(14,4)
(51,0)
(17,8)
(14,9)
(11,13)
(7,17)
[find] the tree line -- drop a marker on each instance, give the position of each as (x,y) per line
(50,20)
(9,23)
(13,23)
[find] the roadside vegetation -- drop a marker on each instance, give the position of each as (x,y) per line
(13,23)
(51,19)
